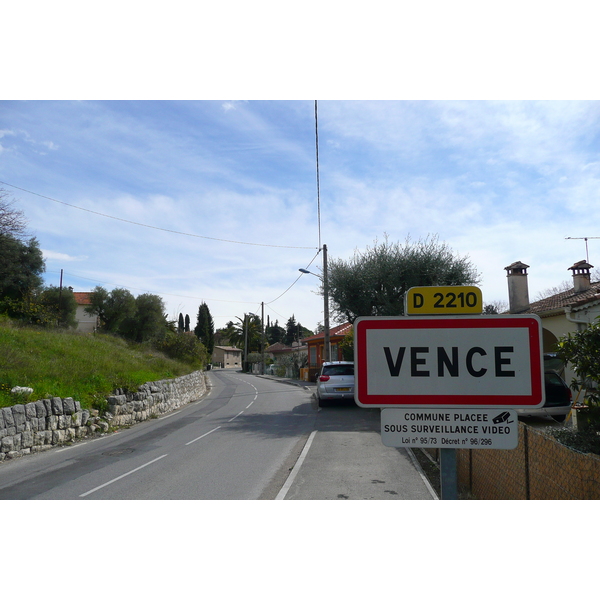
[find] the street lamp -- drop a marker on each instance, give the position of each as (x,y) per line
(326,337)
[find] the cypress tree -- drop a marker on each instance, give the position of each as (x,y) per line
(205,328)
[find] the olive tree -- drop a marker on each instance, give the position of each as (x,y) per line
(373,282)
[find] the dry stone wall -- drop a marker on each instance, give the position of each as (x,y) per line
(37,426)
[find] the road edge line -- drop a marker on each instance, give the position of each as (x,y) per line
(419,469)
(292,476)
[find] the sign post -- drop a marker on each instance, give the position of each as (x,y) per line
(446,379)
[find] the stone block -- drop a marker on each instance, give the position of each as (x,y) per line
(68,406)
(58,437)
(9,420)
(27,439)
(48,404)
(30,411)
(40,409)
(18,411)
(57,406)
(7,444)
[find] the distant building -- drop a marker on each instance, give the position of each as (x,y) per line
(227,357)
(85,322)
(316,345)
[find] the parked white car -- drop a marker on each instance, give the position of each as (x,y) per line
(335,382)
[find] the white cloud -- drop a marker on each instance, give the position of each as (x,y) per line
(61,257)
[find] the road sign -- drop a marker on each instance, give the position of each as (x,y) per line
(493,428)
(432,300)
(449,361)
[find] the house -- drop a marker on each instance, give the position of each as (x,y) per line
(316,343)
(288,358)
(227,357)
(565,312)
(86,323)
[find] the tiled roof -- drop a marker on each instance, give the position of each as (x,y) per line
(339,330)
(562,300)
(82,297)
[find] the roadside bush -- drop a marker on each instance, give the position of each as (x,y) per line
(185,347)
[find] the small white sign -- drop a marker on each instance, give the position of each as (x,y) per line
(495,428)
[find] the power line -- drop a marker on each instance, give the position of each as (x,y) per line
(204,237)
(296,281)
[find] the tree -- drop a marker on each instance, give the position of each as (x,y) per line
(61,304)
(495,308)
(291,331)
(187,323)
(181,325)
(373,282)
(205,328)
(274,333)
(12,220)
(21,266)
(148,323)
(112,308)
(582,350)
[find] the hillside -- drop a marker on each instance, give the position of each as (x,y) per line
(82,366)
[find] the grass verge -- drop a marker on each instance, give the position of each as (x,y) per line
(85,367)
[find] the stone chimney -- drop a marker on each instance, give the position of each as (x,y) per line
(518,291)
(581,276)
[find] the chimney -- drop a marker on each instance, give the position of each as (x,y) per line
(581,276)
(518,292)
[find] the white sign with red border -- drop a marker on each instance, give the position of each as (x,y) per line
(449,361)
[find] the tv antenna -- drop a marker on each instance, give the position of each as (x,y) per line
(587,256)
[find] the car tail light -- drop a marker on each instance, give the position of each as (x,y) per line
(324,378)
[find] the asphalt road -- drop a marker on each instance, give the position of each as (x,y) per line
(248,438)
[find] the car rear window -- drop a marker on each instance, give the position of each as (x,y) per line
(552,379)
(338,370)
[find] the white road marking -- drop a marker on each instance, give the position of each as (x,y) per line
(120,477)
(203,435)
(290,480)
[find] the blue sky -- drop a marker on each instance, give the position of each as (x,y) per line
(499,181)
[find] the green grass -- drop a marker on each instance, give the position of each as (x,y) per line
(83,366)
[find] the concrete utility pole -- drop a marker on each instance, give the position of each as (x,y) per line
(326,338)
(262,338)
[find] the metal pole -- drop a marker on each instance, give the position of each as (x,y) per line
(326,339)
(262,338)
(448,476)
(245,363)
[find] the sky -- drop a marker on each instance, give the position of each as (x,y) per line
(217,201)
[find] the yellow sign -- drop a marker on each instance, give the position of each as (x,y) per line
(452,299)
